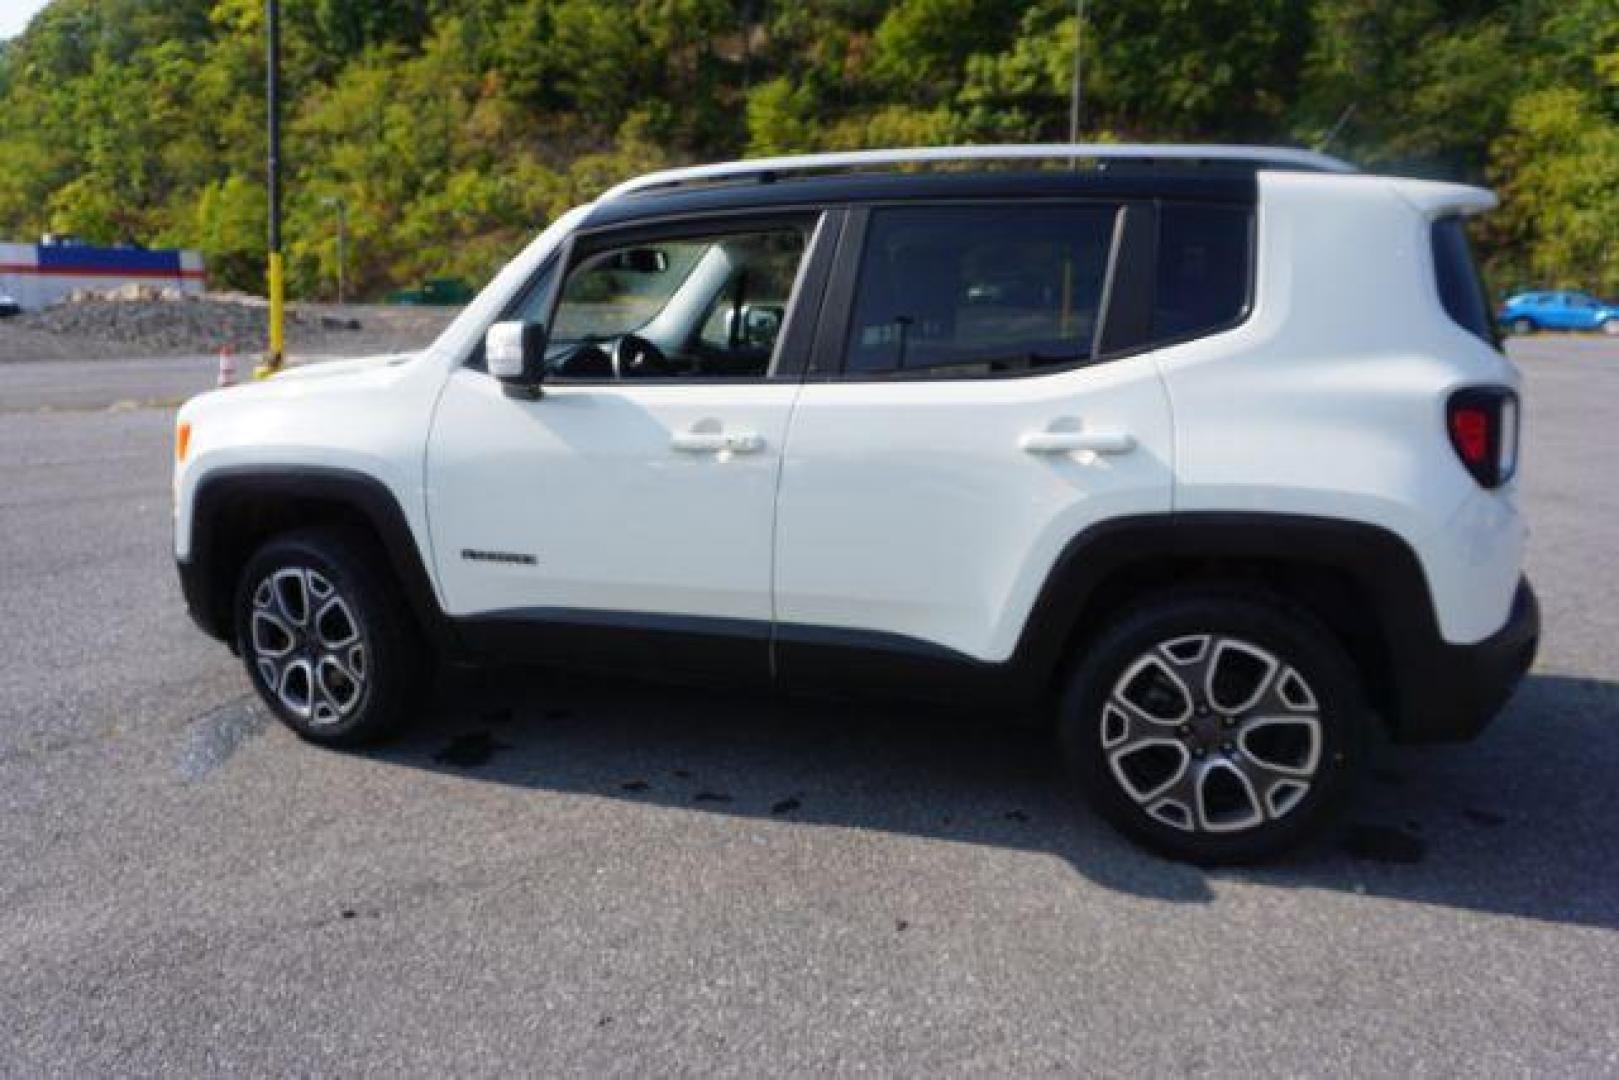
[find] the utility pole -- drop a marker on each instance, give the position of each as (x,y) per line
(272,94)
(342,237)
(747,45)
(1076,99)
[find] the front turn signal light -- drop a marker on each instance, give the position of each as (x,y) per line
(182,441)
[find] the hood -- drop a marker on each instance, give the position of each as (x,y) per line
(322,369)
(316,377)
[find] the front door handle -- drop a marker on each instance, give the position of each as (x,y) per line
(1068,442)
(707,441)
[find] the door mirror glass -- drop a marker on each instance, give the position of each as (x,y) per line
(515,352)
(761,324)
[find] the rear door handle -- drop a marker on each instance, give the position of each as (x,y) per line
(699,441)
(1067,442)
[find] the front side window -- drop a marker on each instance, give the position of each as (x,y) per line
(691,306)
(963,291)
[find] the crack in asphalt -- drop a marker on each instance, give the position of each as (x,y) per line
(213,737)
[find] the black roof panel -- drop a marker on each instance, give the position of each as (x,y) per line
(1202,183)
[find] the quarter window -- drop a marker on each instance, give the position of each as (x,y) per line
(962,291)
(1461,286)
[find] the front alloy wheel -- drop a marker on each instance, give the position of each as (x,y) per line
(306,643)
(328,641)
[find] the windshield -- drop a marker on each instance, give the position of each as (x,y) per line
(468,328)
(609,295)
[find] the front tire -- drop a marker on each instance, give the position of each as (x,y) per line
(1215,727)
(327,643)
(1610,327)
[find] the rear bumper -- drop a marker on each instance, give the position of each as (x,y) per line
(1449,693)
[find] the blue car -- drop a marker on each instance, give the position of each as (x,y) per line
(1527,312)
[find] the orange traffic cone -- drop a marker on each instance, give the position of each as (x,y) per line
(227,367)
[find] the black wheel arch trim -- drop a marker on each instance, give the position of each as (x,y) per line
(209,587)
(1430,690)
(1379,561)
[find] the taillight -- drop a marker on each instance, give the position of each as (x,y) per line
(1483,426)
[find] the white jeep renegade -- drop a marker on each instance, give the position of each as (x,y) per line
(1116,444)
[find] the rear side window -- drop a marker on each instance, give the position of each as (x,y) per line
(1461,287)
(1202,269)
(964,291)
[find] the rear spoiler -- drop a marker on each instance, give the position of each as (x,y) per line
(1433,199)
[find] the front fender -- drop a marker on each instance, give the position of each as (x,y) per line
(225,499)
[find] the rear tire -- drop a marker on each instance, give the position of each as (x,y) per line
(1521,325)
(1215,726)
(327,643)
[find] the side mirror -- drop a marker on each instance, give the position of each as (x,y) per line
(761,323)
(515,354)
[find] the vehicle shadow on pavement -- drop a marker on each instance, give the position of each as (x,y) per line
(1521,822)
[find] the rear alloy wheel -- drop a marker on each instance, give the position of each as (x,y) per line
(326,641)
(1212,733)
(1214,728)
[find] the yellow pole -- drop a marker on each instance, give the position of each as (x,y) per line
(272,95)
(278,307)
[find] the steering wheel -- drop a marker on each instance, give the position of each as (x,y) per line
(635,356)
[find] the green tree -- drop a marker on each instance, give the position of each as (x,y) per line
(1558,173)
(452,129)
(229,226)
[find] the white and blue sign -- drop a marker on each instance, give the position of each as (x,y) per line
(36,275)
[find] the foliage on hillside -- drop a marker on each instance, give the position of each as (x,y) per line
(453,129)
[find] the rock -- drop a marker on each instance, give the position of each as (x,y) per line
(132,292)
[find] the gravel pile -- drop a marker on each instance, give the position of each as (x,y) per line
(96,328)
(148,327)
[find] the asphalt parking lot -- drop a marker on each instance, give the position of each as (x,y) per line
(565,876)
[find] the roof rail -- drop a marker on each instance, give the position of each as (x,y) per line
(1139,153)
